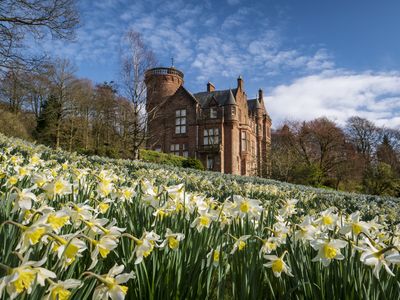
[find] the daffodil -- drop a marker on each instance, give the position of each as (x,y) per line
(214,256)
(247,207)
(23,199)
(269,245)
(145,245)
(172,239)
(103,246)
(31,236)
(240,243)
(288,208)
(68,248)
(307,231)
(58,187)
(57,220)
(60,290)
(204,220)
(328,219)
(24,277)
(328,250)
(354,225)
(278,265)
(376,258)
(110,286)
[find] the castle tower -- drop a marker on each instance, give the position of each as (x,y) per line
(161,83)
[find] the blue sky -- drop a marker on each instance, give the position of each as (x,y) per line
(312,57)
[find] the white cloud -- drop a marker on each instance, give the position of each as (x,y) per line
(338,95)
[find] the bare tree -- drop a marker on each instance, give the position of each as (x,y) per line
(136,58)
(62,82)
(13,90)
(364,135)
(36,18)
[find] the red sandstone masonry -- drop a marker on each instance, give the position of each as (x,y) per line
(166,94)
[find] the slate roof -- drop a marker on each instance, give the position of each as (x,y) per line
(253,104)
(223,97)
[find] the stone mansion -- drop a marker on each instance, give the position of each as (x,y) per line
(226,131)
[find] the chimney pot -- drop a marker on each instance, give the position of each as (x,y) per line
(210,87)
(260,94)
(240,82)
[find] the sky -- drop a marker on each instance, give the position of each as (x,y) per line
(313,58)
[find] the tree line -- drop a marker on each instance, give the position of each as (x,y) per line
(359,156)
(55,107)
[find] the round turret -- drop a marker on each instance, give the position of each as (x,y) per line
(161,83)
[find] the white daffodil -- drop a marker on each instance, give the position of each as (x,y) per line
(127,193)
(40,179)
(23,199)
(79,212)
(94,225)
(307,230)
(110,286)
(58,187)
(22,171)
(354,225)
(24,277)
(288,208)
(68,249)
(103,247)
(328,219)
(373,257)
(214,256)
(240,243)
(204,220)
(150,194)
(269,245)
(176,192)
(32,235)
(278,265)
(57,220)
(35,160)
(172,239)
(245,206)
(328,250)
(145,245)
(60,290)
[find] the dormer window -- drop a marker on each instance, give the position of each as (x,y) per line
(213,113)
(180,121)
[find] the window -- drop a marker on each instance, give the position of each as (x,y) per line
(174,149)
(211,136)
(180,121)
(243,138)
(185,152)
(210,163)
(213,113)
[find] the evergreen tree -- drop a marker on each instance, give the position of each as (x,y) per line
(48,122)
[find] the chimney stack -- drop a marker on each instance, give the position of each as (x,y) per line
(260,95)
(210,87)
(240,82)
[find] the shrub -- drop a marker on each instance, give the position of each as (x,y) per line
(161,158)
(193,163)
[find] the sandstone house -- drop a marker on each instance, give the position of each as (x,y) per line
(226,131)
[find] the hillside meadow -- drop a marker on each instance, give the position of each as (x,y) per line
(86,227)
